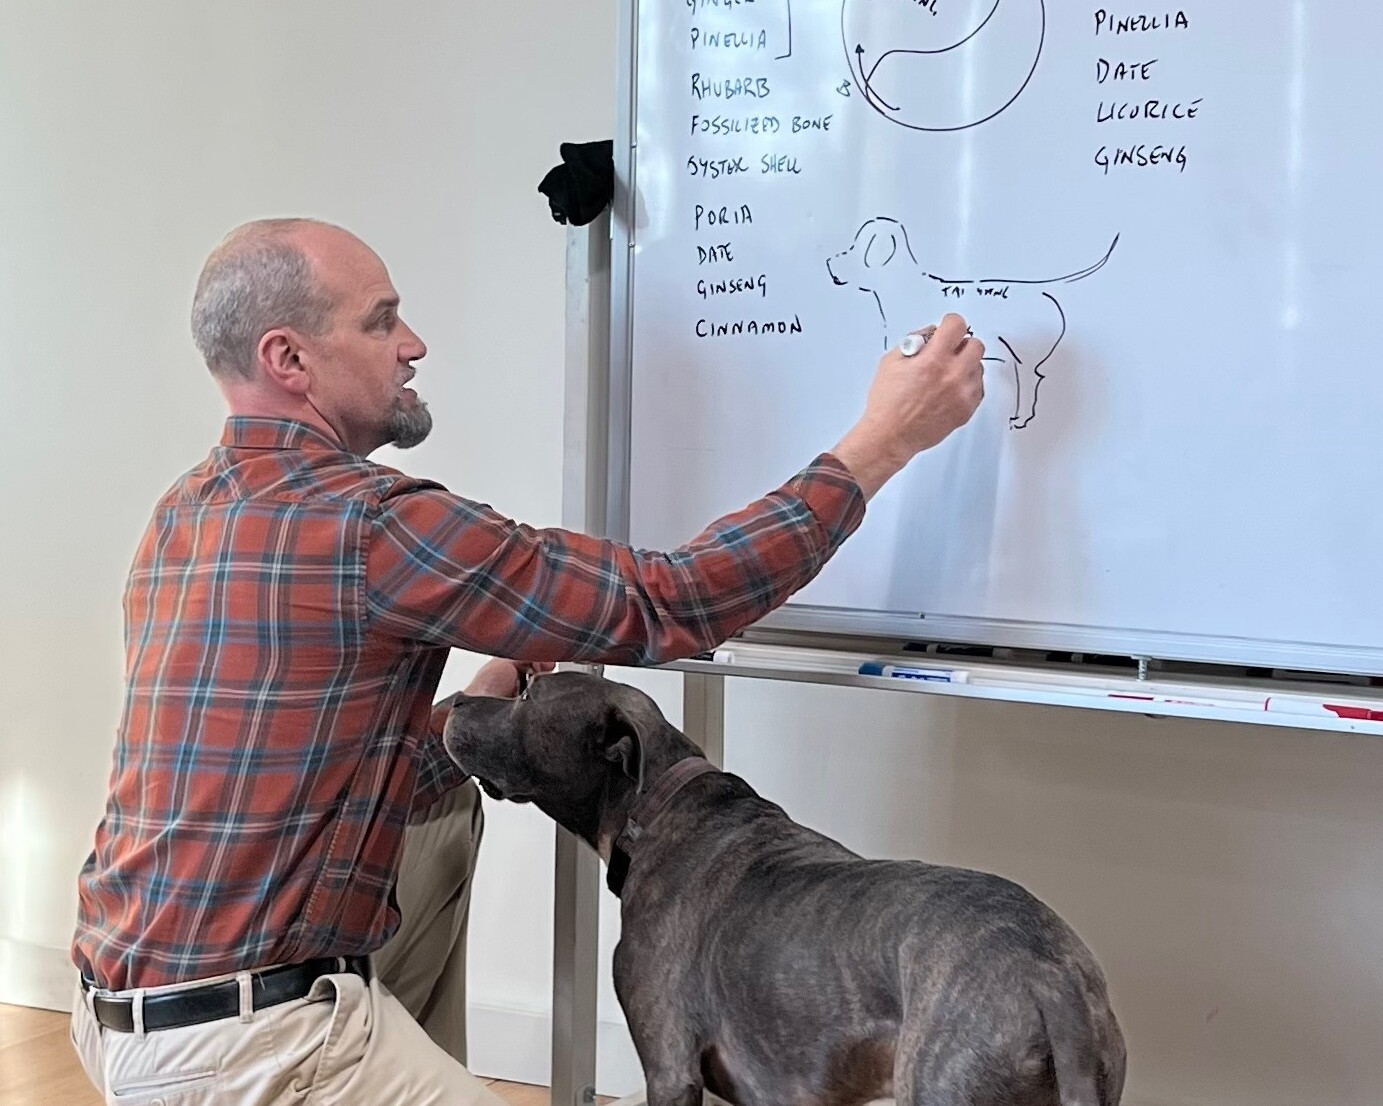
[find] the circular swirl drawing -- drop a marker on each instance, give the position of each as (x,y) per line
(942,65)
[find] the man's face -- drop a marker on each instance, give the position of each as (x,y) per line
(359,366)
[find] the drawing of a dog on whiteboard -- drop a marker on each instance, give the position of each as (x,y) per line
(1021,321)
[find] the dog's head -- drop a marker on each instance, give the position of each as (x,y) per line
(573,744)
(881,242)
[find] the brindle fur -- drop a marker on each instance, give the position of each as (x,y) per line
(767,963)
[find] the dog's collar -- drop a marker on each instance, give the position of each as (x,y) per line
(646,811)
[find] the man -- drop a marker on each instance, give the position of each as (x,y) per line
(276,902)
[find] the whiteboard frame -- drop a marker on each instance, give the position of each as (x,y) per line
(811,621)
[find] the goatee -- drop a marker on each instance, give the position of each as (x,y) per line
(408,426)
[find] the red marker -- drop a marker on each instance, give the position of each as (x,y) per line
(1355,712)
(1183,701)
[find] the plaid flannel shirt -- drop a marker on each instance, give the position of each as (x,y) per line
(288,616)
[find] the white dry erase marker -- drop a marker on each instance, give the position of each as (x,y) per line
(912,344)
(905,672)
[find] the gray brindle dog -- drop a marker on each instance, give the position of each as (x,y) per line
(768,964)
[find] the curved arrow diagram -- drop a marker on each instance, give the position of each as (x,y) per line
(933,75)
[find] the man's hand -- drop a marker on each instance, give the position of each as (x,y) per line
(500,678)
(915,403)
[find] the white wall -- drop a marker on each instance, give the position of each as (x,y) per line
(133,136)
(1230,879)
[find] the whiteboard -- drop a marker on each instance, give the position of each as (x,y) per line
(1163,224)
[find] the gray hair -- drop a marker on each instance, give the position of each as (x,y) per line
(256,279)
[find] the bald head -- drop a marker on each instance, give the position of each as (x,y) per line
(259,277)
(299,319)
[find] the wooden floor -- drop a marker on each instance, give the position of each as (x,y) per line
(39,1068)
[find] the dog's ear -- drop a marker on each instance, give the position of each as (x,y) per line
(630,721)
(887,236)
(880,250)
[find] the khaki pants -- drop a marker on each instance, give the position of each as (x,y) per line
(400,1038)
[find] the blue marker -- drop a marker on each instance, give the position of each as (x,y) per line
(904,672)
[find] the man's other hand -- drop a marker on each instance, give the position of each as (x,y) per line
(500,678)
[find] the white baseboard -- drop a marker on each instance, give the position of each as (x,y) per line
(35,975)
(516,1045)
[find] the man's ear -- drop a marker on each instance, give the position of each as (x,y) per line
(278,354)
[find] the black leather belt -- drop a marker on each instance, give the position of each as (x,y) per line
(213,1001)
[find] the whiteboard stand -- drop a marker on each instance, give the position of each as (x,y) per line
(1125,684)
(595,472)
(576,891)
(703,713)
(1235,674)
(577,877)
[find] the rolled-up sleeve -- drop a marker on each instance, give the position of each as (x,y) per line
(444,570)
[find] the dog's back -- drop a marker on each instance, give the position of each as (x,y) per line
(848,978)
